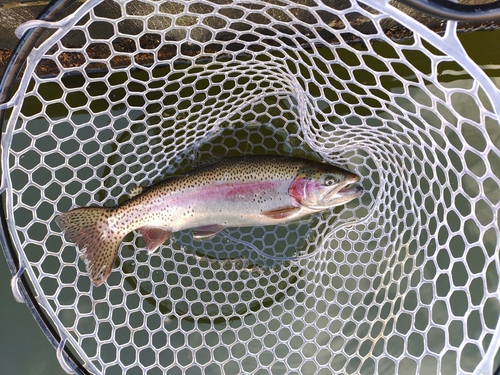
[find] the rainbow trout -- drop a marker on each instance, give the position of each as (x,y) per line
(258,190)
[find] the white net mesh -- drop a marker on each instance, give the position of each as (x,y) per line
(403,280)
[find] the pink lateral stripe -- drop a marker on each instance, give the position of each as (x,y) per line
(230,191)
(245,189)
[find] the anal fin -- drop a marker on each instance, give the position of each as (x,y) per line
(153,236)
(206,231)
(281,213)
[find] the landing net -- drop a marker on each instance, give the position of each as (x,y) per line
(404,280)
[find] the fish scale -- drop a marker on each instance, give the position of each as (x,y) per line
(245,191)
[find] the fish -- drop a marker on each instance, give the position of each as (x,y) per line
(233,192)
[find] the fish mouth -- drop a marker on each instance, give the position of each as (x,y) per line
(344,192)
(349,192)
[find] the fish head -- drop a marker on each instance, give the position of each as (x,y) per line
(322,186)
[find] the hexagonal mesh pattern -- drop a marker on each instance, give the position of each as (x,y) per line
(403,280)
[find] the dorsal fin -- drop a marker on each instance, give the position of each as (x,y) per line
(135,191)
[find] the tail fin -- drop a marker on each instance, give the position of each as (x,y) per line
(88,228)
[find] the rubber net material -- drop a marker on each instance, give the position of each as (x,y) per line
(403,280)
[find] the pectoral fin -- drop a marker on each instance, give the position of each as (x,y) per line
(206,231)
(281,213)
(153,237)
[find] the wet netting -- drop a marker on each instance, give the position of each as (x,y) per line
(403,280)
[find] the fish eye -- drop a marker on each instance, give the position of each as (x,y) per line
(330,181)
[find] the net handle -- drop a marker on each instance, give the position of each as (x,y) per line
(457,12)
